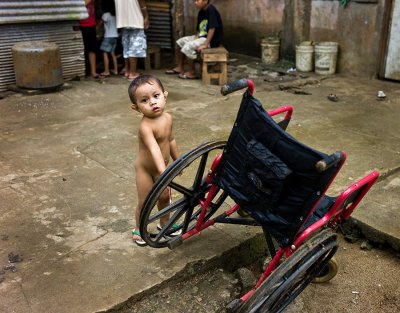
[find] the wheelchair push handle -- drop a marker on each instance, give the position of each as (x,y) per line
(237,85)
(330,161)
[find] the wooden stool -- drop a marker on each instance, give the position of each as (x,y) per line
(155,52)
(219,56)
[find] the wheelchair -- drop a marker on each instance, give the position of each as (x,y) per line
(263,172)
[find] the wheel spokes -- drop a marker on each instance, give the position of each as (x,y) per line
(178,205)
(198,180)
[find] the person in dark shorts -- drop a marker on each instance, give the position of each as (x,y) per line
(88,29)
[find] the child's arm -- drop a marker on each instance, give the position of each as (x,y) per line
(173,148)
(146,133)
(143,9)
(210,35)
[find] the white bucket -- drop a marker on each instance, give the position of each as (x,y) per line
(305,57)
(326,57)
(270,50)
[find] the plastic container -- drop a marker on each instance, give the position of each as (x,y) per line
(305,56)
(270,50)
(37,65)
(326,57)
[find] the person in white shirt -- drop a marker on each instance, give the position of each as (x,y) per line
(133,18)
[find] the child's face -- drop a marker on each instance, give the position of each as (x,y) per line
(201,4)
(150,100)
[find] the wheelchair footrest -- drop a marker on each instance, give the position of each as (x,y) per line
(233,306)
(175,242)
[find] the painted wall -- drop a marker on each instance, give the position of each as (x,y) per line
(356,28)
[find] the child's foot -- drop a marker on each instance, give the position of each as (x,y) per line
(136,237)
(105,74)
(175,227)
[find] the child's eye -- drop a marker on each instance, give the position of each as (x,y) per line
(157,95)
(144,100)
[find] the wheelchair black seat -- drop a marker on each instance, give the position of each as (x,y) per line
(269,173)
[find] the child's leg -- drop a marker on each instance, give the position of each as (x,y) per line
(179,68)
(106,64)
(190,51)
(132,68)
(163,201)
(92,63)
(115,63)
(144,183)
(126,74)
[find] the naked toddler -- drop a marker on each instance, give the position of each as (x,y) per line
(156,141)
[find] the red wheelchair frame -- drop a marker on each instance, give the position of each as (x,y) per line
(281,281)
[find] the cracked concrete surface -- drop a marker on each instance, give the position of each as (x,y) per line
(67,185)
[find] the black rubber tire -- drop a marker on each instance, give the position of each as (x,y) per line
(292,276)
(328,272)
(184,210)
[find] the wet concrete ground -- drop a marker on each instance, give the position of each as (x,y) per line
(67,184)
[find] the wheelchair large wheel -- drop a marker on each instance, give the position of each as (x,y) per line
(185,179)
(293,275)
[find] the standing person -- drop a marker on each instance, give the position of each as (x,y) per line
(88,29)
(133,18)
(109,42)
(209,34)
(156,141)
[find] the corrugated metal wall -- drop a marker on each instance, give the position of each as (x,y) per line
(61,33)
(42,20)
(159,33)
(22,11)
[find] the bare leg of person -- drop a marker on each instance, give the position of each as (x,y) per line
(115,63)
(126,61)
(106,65)
(144,183)
(132,68)
(92,63)
(164,201)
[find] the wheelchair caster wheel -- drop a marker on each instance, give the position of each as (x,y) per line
(328,272)
(233,306)
(175,242)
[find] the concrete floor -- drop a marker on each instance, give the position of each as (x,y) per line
(67,185)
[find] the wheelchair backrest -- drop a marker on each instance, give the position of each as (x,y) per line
(270,174)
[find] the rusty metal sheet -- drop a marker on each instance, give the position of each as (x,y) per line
(22,11)
(61,33)
(159,33)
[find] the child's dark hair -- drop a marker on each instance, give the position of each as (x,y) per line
(108,6)
(141,80)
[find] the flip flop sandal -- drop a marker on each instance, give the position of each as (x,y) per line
(172,72)
(333,97)
(175,233)
(140,242)
(185,76)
